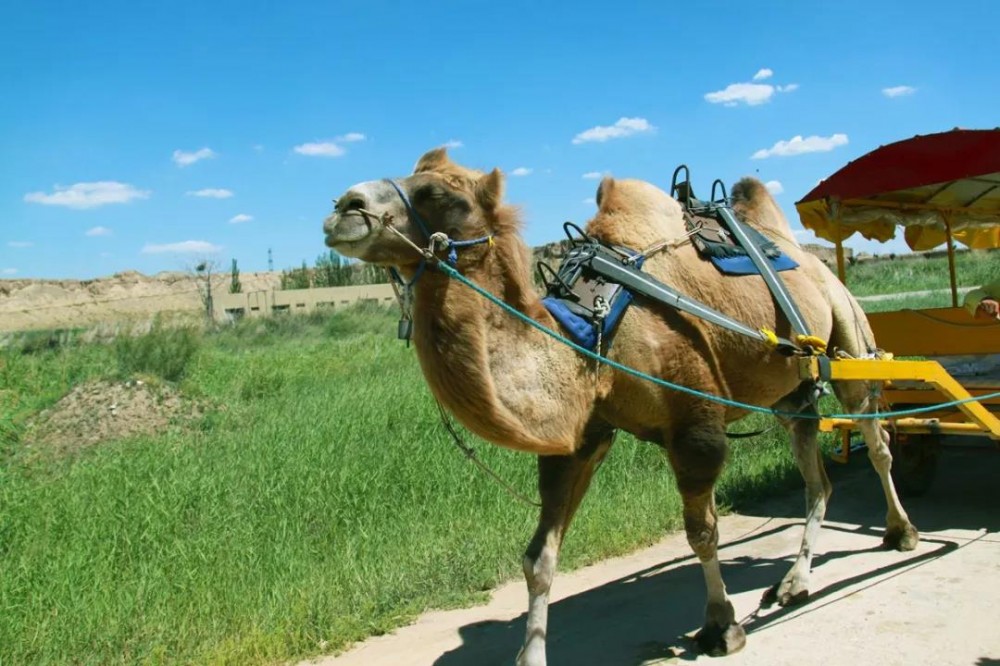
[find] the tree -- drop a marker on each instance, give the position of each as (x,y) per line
(235,286)
(202,273)
(296,278)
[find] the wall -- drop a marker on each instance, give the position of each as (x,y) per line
(263,303)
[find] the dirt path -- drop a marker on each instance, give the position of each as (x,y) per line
(938,604)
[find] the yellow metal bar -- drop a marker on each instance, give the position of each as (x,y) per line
(844,454)
(930,372)
(916,426)
(951,259)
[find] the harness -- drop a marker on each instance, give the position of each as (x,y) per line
(596,282)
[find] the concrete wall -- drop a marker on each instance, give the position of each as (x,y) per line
(267,302)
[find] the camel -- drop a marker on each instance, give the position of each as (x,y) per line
(518,388)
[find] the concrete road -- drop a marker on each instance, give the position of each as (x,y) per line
(937,605)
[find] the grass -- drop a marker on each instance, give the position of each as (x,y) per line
(322,505)
(901,275)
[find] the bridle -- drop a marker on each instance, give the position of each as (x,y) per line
(428,255)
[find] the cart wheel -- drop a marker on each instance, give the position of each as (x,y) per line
(914,461)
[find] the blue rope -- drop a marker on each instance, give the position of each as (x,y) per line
(452,244)
(410,209)
(453,273)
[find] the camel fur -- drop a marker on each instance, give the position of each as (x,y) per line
(518,388)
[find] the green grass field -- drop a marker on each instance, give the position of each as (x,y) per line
(902,275)
(317,502)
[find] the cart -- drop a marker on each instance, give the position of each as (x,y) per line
(940,189)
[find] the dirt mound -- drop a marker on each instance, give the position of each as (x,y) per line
(102,411)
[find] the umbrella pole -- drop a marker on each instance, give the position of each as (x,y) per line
(841,269)
(951,260)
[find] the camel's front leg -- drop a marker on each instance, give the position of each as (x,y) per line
(562,483)
(697,456)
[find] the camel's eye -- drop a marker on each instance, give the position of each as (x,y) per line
(426,192)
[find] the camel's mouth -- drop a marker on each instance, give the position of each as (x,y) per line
(347,230)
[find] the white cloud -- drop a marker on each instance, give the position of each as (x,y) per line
(774,187)
(258,147)
(19,244)
(8,271)
(350,137)
(750,94)
(184,247)
(799,146)
(242,217)
(898,91)
(211,193)
(453,143)
(594,175)
(590,201)
(320,149)
(521,171)
(622,128)
(98,231)
(183,159)
(88,195)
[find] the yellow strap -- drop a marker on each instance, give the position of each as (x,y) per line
(812,341)
(772,337)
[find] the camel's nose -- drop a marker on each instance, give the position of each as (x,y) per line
(352,200)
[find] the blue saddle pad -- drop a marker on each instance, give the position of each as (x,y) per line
(743,265)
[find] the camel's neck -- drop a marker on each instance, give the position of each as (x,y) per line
(503,379)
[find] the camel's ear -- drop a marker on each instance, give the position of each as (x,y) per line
(489,190)
(604,190)
(431,160)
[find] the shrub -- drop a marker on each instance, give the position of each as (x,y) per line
(163,352)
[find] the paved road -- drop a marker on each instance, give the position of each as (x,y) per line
(937,605)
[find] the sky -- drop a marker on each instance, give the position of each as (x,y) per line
(151,135)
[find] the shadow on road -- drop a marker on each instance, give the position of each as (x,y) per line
(625,622)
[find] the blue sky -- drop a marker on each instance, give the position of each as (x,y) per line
(142,135)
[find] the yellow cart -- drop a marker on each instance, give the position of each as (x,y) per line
(940,189)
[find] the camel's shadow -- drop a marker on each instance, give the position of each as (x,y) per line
(650,614)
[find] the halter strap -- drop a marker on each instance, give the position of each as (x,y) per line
(451,244)
(411,211)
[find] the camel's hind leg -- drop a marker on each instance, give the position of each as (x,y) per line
(697,454)
(853,335)
(794,587)
(562,483)
(857,399)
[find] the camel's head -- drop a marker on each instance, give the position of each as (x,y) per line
(445,197)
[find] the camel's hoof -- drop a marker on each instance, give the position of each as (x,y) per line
(901,538)
(717,641)
(784,596)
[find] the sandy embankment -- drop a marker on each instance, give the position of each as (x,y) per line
(122,298)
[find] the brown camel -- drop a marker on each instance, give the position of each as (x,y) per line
(520,389)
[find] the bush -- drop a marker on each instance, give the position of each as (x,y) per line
(361,318)
(163,352)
